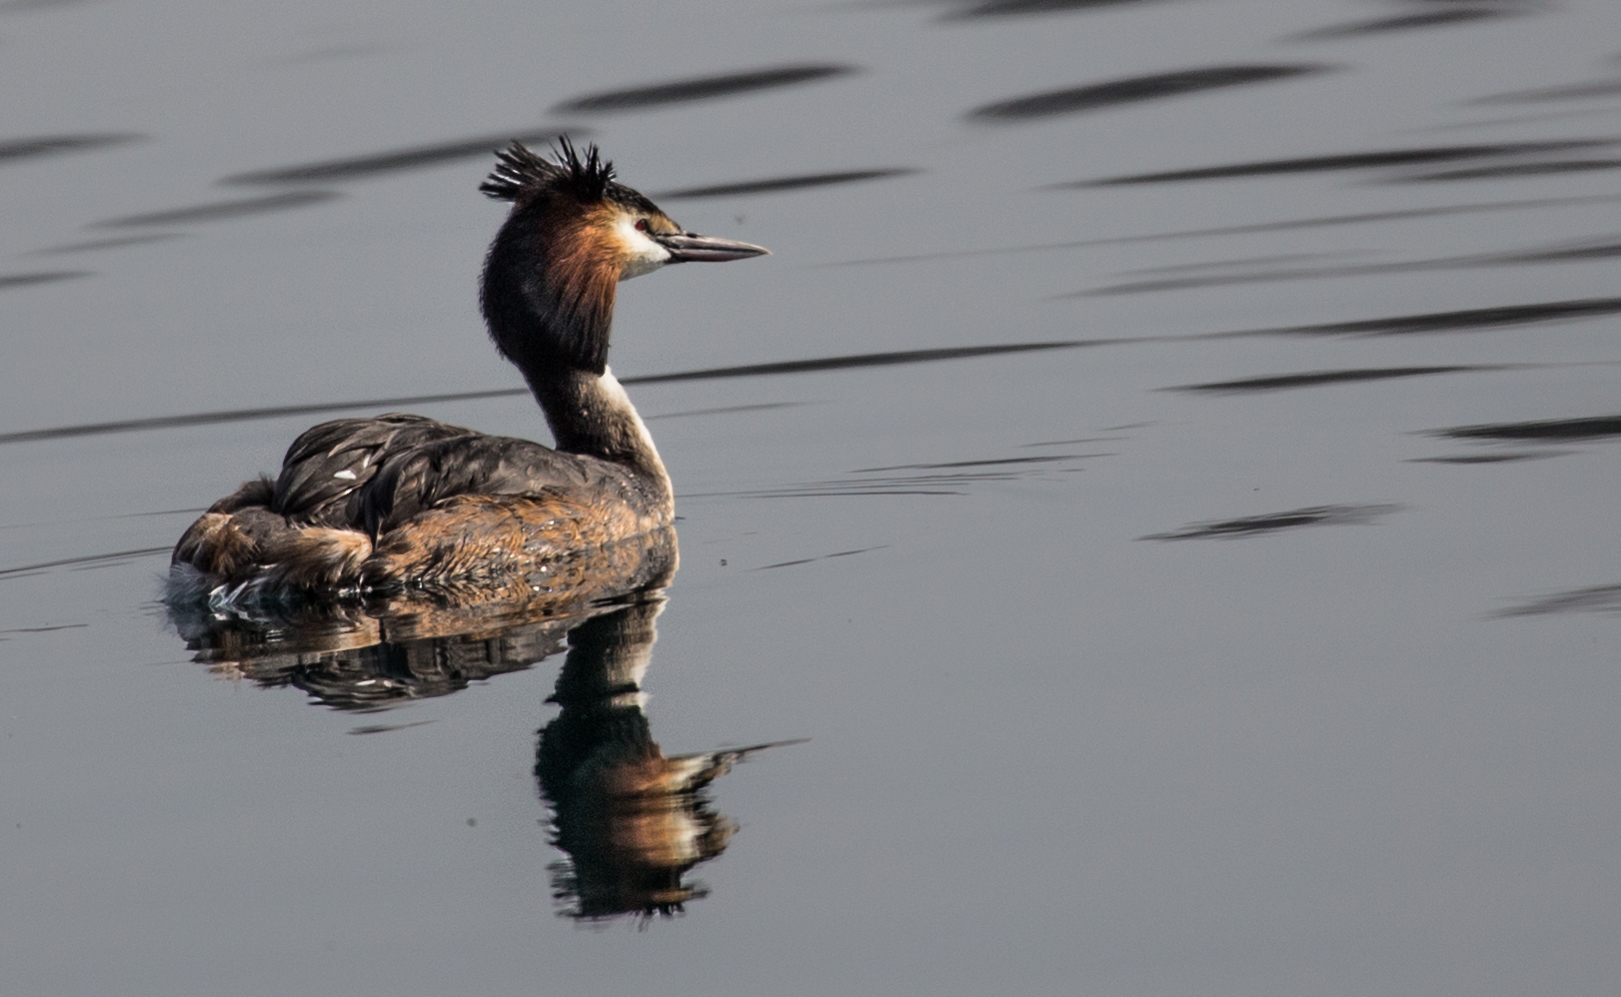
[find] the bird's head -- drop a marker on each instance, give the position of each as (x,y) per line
(573,234)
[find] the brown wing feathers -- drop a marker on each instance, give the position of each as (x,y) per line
(429,500)
(332,462)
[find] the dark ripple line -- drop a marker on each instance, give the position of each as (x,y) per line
(774,184)
(395,160)
(865,360)
(1311,379)
(223,210)
(240,415)
(1431,322)
(1205,266)
(702,88)
(1509,171)
(117,242)
(824,557)
(1518,119)
(1344,161)
(1137,88)
(1586,428)
(1019,8)
(1248,526)
(713,373)
(1230,280)
(971,463)
(1491,458)
(845,493)
(725,410)
(50,145)
(1595,599)
(1405,22)
(1325,221)
(92,559)
(1569,253)
(385,728)
(44,277)
(955,473)
(1453,321)
(1574,91)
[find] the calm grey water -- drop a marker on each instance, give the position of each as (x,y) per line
(1255,636)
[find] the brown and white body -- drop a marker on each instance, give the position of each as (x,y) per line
(405,501)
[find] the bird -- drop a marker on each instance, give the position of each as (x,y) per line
(398,502)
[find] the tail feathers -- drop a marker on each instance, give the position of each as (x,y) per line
(318,557)
(215,545)
(240,540)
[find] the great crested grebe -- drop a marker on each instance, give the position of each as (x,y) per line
(401,501)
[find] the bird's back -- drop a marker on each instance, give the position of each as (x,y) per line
(402,499)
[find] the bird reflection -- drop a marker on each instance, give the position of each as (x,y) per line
(630,821)
(385,650)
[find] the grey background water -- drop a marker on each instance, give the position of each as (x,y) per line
(1346,726)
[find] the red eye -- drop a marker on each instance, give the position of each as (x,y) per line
(641,224)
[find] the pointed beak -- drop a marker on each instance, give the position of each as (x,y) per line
(690,247)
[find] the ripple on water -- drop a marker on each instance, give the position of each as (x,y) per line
(1348,161)
(987,9)
(1593,599)
(1598,427)
(1273,522)
(217,211)
(846,362)
(1407,22)
(11,280)
(397,160)
(771,185)
(1130,90)
(51,145)
(698,88)
(1461,320)
(1318,378)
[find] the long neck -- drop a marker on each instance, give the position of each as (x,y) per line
(548,299)
(591,414)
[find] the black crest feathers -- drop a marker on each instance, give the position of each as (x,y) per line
(520,174)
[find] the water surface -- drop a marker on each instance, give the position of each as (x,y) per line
(1165,471)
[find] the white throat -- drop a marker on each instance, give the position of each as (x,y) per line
(614,392)
(646,255)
